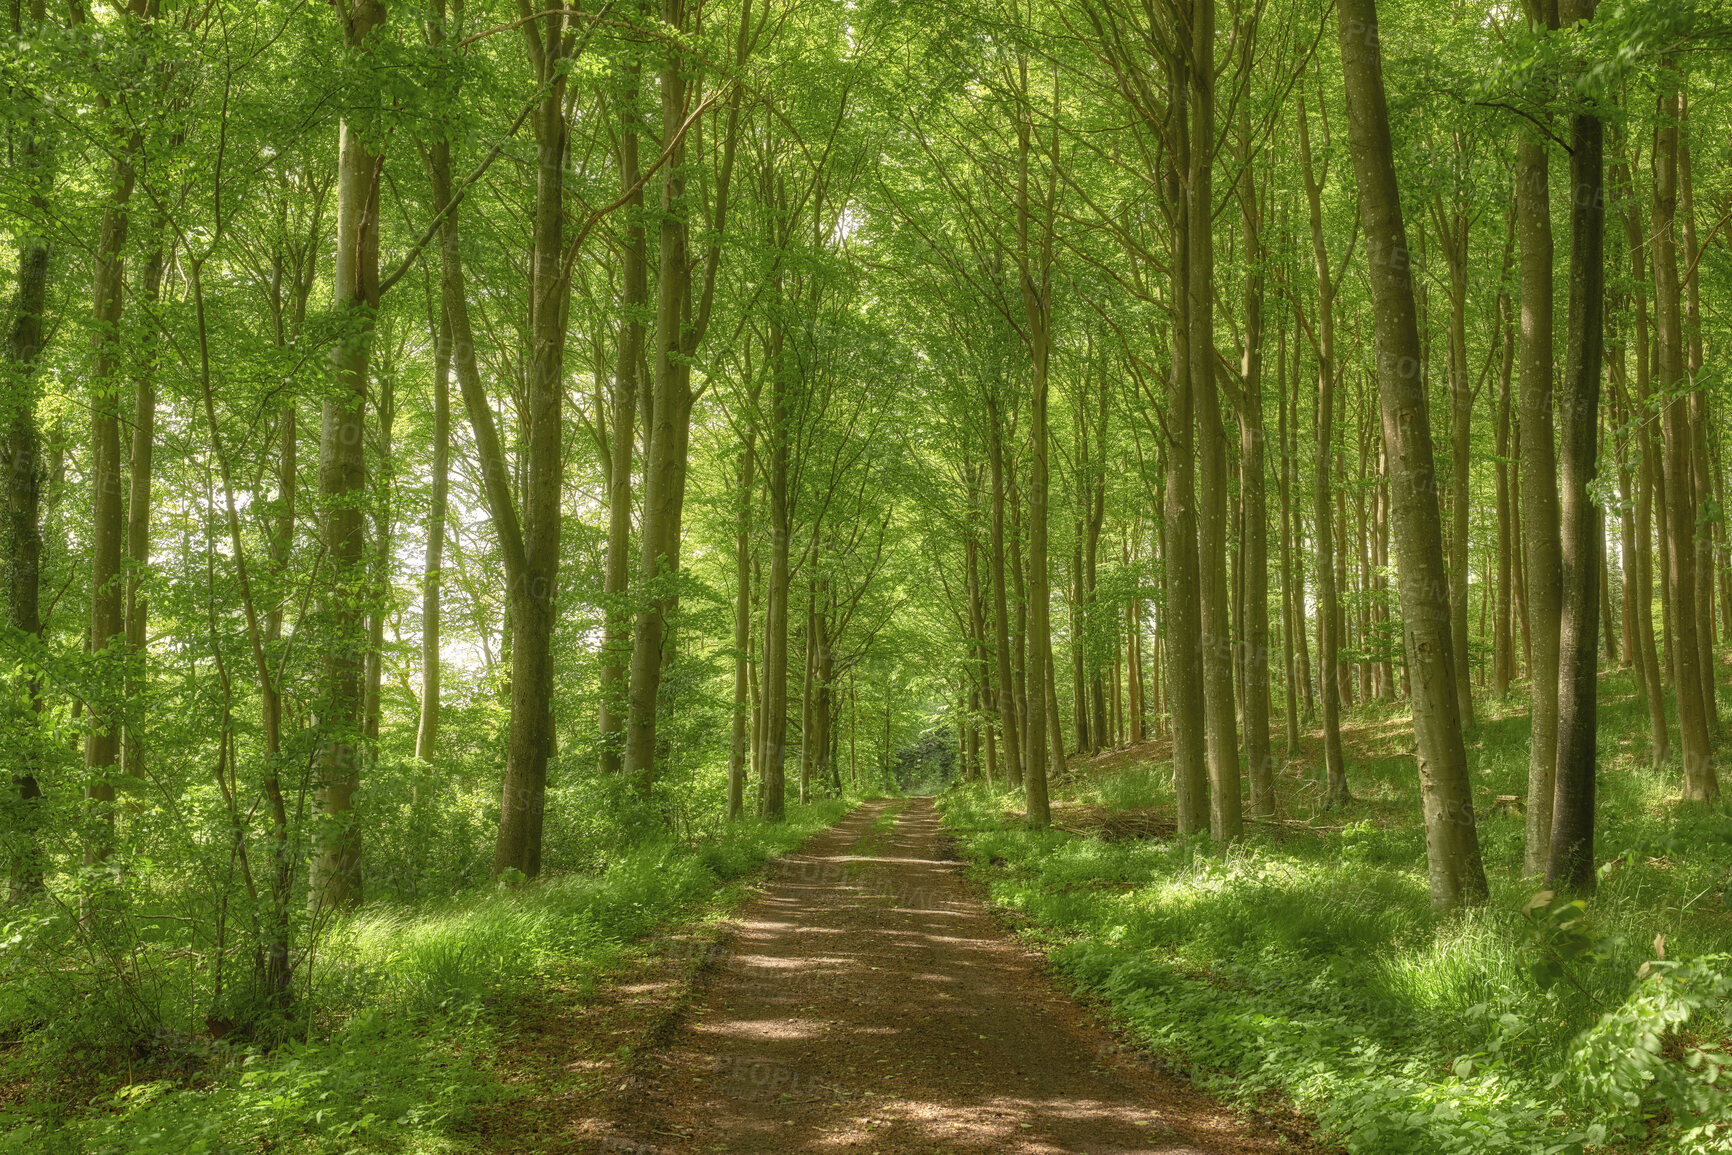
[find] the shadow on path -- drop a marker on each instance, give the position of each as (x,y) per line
(869,1002)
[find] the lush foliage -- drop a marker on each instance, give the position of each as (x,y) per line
(1308,961)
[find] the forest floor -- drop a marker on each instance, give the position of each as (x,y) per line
(868,1000)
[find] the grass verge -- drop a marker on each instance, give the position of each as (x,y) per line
(405,1017)
(1306,961)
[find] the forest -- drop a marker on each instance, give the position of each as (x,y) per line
(787,575)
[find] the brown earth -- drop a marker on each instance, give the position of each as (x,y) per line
(868,1001)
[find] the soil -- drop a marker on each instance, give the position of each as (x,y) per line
(868,1001)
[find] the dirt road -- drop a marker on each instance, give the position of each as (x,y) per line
(868,1001)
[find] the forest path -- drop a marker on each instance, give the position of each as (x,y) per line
(869,1002)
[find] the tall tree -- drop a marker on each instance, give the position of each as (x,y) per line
(1329,678)
(1539,476)
(1454,867)
(1701,783)
(1570,860)
(336,877)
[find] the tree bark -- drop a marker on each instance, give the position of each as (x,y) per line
(1221,722)
(1008,718)
(1503,624)
(1254,557)
(1336,793)
(1701,784)
(108,522)
(433,563)
(335,880)
(1570,862)
(682,318)
(379,586)
(23,466)
(634,270)
(1184,616)
(742,624)
(1035,259)
(533,588)
(1290,623)
(1454,868)
(1701,468)
(1453,232)
(1543,562)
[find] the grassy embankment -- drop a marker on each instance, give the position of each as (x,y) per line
(1306,960)
(407,1009)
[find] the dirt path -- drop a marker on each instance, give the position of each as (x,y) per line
(869,1002)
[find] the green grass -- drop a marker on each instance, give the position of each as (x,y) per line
(1306,960)
(406,1007)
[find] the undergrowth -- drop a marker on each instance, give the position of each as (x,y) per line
(404,1010)
(1306,959)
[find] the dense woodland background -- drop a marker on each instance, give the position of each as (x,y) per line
(448,446)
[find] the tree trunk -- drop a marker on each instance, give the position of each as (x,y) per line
(1254,555)
(1290,625)
(1221,723)
(523,793)
(379,587)
(1543,562)
(682,317)
(775,696)
(742,626)
(1455,239)
(1336,793)
(1570,862)
(1701,784)
(1503,626)
(433,565)
(108,519)
(1008,717)
(1455,871)
(634,269)
(1183,611)
(335,880)
(1701,468)
(23,465)
(1035,260)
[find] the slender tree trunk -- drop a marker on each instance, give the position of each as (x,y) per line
(1290,625)
(1254,561)
(433,564)
(1079,699)
(523,798)
(379,587)
(634,269)
(1701,784)
(1456,240)
(1217,639)
(776,607)
(1570,861)
(335,880)
(1020,642)
(742,629)
(1096,506)
(23,465)
(682,318)
(1135,691)
(1184,615)
(808,674)
(1008,716)
(1455,871)
(1503,629)
(1336,793)
(1701,468)
(138,511)
(108,519)
(1543,562)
